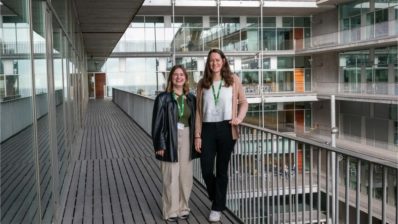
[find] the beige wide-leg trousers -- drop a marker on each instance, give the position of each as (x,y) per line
(178,179)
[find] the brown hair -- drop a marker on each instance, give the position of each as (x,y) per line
(226,73)
(169,87)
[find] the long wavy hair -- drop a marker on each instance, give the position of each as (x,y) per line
(169,87)
(226,73)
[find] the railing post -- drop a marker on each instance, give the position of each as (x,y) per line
(333,156)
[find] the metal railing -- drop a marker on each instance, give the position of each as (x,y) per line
(278,178)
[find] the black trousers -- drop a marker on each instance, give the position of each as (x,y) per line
(217,143)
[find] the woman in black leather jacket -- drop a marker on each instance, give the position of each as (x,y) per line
(172,135)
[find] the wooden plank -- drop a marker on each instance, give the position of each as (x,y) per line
(84,144)
(97,206)
(114,194)
(106,201)
(121,188)
(71,197)
(88,196)
(139,191)
(105,153)
(80,196)
(15,208)
(130,192)
(124,142)
(115,142)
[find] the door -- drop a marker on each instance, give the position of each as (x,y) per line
(99,85)
(298,38)
(299,80)
(299,121)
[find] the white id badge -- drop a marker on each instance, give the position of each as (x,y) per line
(180,126)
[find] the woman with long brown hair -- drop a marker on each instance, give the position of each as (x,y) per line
(221,107)
(173,124)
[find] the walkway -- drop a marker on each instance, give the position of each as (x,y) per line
(116,178)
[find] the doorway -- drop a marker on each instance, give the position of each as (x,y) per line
(100,81)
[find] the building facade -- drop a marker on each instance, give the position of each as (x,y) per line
(292,57)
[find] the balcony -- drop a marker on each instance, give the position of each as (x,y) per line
(278,178)
(114,177)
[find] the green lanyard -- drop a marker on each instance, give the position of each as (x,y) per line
(216,97)
(180,105)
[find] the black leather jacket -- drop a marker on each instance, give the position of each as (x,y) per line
(164,126)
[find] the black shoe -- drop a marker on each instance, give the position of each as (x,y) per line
(172,219)
(183,217)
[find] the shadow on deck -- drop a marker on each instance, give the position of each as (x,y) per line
(116,178)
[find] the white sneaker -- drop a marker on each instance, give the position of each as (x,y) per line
(214,216)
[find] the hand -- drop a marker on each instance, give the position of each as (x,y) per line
(160,152)
(235,121)
(198,145)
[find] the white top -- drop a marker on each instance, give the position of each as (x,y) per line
(223,110)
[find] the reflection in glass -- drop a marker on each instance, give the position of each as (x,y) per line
(285,81)
(63,153)
(269,81)
(285,38)
(18,197)
(253,115)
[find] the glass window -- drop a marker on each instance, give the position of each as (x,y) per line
(370,25)
(285,81)
(249,63)
(351,80)
(112,65)
(154,21)
(355,28)
(381,4)
(307,37)
(350,9)
(269,81)
(250,39)
(287,22)
(193,40)
(381,80)
(253,115)
(381,22)
(269,21)
(213,21)
(286,121)
(269,39)
(252,21)
(396,81)
(249,77)
(300,22)
(138,21)
(193,22)
(266,63)
(308,80)
(285,39)
(285,62)
(271,120)
(302,62)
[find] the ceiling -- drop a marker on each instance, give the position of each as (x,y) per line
(102,23)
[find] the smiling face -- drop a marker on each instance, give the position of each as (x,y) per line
(178,78)
(216,63)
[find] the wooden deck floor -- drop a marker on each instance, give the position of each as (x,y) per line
(116,178)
